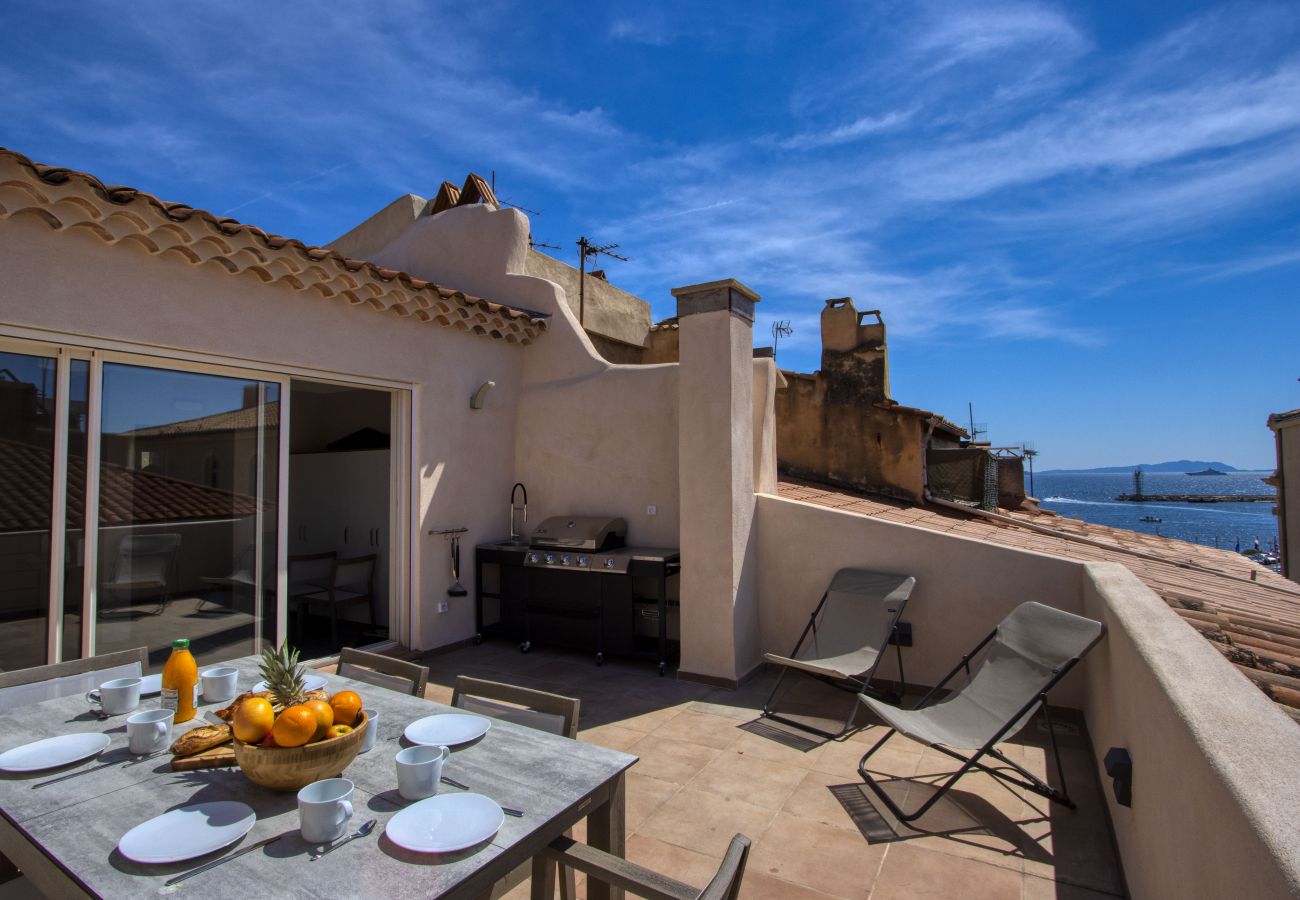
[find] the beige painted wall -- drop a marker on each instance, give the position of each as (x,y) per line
(963,587)
(608,310)
(1215,762)
(465,464)
(1288,499)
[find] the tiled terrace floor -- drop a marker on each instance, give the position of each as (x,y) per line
(702,777)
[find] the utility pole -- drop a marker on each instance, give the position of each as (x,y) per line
(587,248)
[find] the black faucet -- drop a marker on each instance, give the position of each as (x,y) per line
(519,486)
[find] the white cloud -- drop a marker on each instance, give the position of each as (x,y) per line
(845,134)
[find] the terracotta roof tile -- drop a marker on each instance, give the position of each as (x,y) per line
(68,200)
(1248,613)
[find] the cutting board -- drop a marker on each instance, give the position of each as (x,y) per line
(212,758)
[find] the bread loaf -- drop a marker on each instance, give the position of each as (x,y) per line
(196,740)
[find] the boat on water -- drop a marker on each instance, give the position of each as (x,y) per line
(1209,471)
(1151,519)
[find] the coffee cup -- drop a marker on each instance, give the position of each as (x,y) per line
(220,684)
(149,731)
(324,808)
(121,695)
(372,730)
(418,771)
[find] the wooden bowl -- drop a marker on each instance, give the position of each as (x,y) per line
(293,768)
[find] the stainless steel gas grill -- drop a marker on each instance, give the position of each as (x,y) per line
(575,584)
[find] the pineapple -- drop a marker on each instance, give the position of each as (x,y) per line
(283,676)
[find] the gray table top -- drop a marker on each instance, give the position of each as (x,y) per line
(80,821)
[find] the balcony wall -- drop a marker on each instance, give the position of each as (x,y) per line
(1215,792)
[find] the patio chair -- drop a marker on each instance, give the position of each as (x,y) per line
(145,566)
(846,636)
(242,579)
(552,713)
(383,671)
(638,880)
(1020,661)
(23,687)
(351,581)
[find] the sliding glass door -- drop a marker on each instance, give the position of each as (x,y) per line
(188,499)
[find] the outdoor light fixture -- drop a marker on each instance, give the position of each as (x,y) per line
(479,397)
(1119,766)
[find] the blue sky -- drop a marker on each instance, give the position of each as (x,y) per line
(1084,219)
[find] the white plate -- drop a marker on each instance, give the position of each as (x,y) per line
(151,684)
(53,752)
(309,683)
(187,832)
(447,729)
(445,823)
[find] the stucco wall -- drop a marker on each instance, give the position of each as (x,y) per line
(609,310)
(856,444)
(1288,495)
(1215,791)
(74,284)
(963,587)
(590,437)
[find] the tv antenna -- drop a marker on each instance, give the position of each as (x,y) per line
(531,212)
(585,249)
(780,329)
(1027,450)
(976,428)
(533,245)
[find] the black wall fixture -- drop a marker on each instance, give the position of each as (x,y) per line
(1119,766)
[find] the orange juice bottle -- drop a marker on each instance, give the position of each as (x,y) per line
(180,681)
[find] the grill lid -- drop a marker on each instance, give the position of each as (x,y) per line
(580,533)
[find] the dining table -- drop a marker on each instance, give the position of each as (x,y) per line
(64,836)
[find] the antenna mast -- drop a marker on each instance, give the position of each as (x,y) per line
(587,248)
(780,329)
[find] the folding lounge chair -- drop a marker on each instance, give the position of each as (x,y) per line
(847,634)
(1024,657)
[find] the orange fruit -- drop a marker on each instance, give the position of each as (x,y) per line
(324,717)
(346,706)
(294,727)
(253,720)
(339,730)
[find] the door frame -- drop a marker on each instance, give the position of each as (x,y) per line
(64,347)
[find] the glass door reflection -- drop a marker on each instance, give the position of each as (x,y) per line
(188,493)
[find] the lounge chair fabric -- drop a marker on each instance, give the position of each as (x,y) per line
(860,607)
(1029,647)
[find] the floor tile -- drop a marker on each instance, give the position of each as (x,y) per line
(669,760)
(757,781)
(832,860)
(911,873)
(718,732)
(705,822)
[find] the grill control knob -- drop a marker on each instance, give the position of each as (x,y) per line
(532,557)
(609,562)
(550,559)
(583,561)
(566,560)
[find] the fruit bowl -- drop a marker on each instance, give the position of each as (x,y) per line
(293,768)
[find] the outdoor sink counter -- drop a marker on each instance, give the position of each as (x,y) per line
(77,824)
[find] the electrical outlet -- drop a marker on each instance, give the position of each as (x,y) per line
(652,510)
(442,606)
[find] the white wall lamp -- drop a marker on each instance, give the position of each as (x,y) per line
(479,397)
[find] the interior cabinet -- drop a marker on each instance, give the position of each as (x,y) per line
(339,502)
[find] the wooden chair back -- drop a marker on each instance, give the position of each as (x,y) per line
(24,687)
(383,671)
(552,713)
(636,879)
(356,574)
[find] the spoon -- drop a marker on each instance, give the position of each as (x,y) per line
(360,832)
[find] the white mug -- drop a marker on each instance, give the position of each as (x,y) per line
(324,808)
(418,771)
(121,695)
(220,684)
(149,731)
(372,730)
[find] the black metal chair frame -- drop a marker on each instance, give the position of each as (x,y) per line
(1031,782)
(850,684)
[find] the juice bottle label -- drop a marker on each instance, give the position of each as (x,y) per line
(171,699)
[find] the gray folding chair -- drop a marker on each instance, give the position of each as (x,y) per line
(23,687)
(846,637)
(635,879)
(552,713)
(145,567)
(383,671)
(351,581)
(1020,661)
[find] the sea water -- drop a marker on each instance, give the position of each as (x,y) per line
(1231,526)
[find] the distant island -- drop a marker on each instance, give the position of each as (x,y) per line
(1189,466)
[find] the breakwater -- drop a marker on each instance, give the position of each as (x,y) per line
(1198,498)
